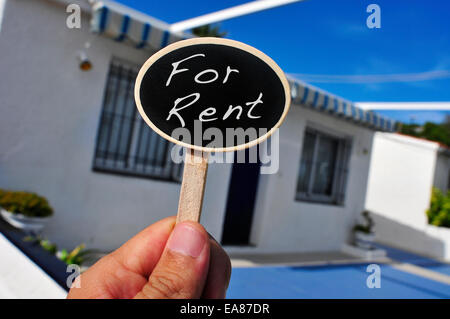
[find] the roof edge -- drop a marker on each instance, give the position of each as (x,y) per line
(307,95)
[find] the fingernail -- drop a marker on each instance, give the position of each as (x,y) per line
(186,240)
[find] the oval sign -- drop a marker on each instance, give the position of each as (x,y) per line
(212,94)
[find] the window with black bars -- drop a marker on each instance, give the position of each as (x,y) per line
(323,168)
(125,143)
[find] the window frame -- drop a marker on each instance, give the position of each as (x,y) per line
(340,170)
(109,160)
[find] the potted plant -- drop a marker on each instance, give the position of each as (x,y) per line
(364,235)
(79,255)
(23,210)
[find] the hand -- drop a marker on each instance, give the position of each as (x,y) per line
(162,261)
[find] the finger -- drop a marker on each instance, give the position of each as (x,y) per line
(107,279)
(219,272)
(181,272)
(141,253)
(124,272)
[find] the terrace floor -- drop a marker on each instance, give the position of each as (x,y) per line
(402,275)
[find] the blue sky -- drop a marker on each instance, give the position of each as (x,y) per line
(330,37)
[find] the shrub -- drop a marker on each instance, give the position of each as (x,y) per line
(439,212)
(27,204)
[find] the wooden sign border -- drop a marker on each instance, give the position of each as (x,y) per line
(210,40)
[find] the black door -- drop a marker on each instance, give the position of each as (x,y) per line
(240,203)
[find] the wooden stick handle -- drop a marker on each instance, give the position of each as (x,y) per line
(192,186)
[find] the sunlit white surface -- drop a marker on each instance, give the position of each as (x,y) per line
(21,278)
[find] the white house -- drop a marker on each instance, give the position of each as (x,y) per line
(403,171)
(75,137)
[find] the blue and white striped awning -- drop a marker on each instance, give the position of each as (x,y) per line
(145,32)
(306,95)
(126,25)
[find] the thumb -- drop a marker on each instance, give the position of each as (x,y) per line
(182,270)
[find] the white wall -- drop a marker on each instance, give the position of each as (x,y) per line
(442,170)
(401,176)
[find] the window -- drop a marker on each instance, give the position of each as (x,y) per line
(125,143)
(323,168)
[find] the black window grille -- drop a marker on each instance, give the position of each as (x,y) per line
(323,168)
(125,144)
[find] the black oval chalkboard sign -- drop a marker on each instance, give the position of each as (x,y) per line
(212,94)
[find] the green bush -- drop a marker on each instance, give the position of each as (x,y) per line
(439,211)
(27,204)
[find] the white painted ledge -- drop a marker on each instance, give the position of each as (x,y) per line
(368,255)
(21,278)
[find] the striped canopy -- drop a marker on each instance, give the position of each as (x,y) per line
(125,25)
(309,96)
(144,32)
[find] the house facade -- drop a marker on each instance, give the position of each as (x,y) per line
(75,137)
